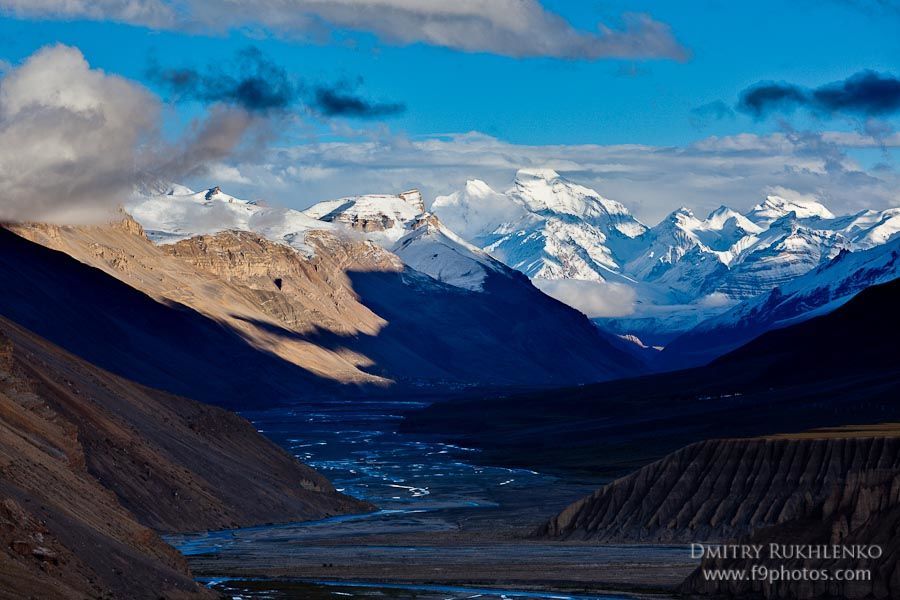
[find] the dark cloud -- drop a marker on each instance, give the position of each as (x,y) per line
(251,81)
(341,102)
(258,85)
(868,93)
(864,94)
(766,97)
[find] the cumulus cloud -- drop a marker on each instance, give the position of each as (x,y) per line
(593,298)
(75,140)
(865,94)
(70,137)
(518,28)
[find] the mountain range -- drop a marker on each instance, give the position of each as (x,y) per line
(375,291)
(682,271)
(692,287)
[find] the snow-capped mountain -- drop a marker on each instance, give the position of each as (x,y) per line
(383,218)
(776,207)
(684,269)
(377,289)
(400,224)
(175,213)
(545,226)
(818,291)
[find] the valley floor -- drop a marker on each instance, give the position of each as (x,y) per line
(444,520)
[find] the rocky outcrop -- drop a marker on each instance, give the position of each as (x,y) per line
(301,293)
(864,511)
(92,466)
(822,488)
(722,489)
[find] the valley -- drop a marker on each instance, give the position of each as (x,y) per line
(428,300)
(421,384)
(444,519)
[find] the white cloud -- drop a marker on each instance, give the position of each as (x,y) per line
(152,13)
(518,28)
(650,180)
(226,174)
(593,298)
(75,140)
(69,137)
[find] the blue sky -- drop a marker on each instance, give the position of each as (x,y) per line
(524,102)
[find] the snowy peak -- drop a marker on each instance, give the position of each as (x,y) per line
(400,224)
(180,213)
(545,191)
(413,198)
(775,207)
(727,218)
(433,249)
(384,218)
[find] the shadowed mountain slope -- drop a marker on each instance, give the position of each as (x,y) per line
(91,465)
(168,346)
(838,369)
(344,312)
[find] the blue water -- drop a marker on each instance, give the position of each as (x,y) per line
(421,486)
(237,590)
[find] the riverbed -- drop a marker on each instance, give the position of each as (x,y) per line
(447,526)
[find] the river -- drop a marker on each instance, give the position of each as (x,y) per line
(443,519)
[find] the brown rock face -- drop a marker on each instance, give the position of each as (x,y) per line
(90,462)
(231,278)
(828,488)
(301,293)
(721,489)
(350,313)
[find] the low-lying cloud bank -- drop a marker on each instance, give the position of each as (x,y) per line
(518,28)
(75,140)
(593,298)
(650,180)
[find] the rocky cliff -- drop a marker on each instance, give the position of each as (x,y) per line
(863,511)
(720,489)
(92,465)
(825,487)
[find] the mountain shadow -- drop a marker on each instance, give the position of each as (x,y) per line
(838,369)
(167,346)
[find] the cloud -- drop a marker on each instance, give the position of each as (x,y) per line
(69,137)
(341,102)
(593,298)
(517,28)
(865,94)
(150,13)
(256,84)
(75,140)
(222,133)
(650,180)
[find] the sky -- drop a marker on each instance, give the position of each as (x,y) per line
(656,104)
